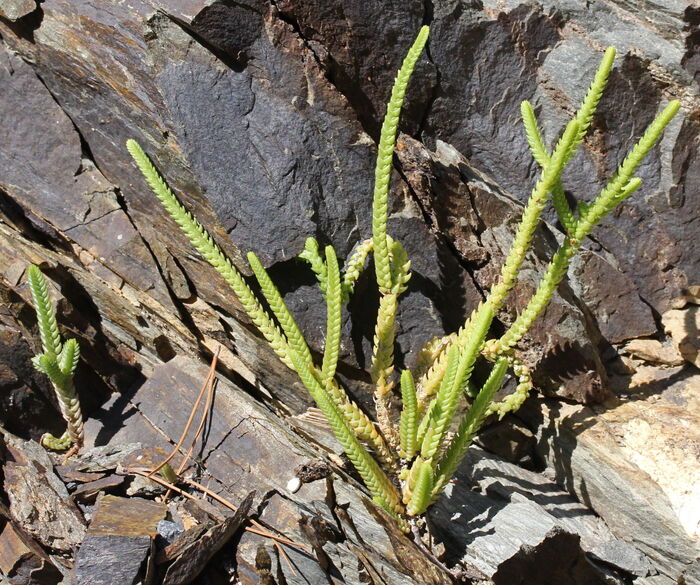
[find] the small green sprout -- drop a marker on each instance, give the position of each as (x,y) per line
(407,463)
(58,361)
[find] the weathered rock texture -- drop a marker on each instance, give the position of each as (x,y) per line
(648,445)
(263,116)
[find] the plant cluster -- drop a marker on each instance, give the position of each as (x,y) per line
(58,361)
(406,463)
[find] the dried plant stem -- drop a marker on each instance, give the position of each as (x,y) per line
(208,382)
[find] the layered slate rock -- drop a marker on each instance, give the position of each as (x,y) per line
(487,57)
(38,500)
(271,163)
(263,116)
(58,190)
(517,527)
(647,444)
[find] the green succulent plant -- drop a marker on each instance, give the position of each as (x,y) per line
(406,464)
(58,361)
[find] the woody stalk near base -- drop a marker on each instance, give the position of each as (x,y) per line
(406,463)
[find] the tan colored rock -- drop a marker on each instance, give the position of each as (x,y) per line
(661,435)
(652,350)
(684,325)
(16,9)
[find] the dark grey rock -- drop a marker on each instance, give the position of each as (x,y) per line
(169,531)
(112,559)
(515,526)
(361,46)
(611,296)
(624,556)
(61,197)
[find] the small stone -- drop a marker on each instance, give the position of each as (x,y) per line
(312,470)
(169,531)
(103,458)
(293,485)
(20,557)
(127,516)
(143,487)
(88,491)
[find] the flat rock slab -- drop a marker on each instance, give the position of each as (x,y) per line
(47,178)
(127,517)
(624,556)
(112,559)
(654,351)
(119,542)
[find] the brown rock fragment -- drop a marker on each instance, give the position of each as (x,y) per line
(39,500)
(196,556)
(127,517)
(22,561)
(89,491)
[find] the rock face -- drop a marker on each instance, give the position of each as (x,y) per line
(206,103)
(263,116)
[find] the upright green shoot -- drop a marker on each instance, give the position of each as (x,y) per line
(408,454)
(59,362)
